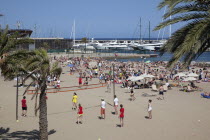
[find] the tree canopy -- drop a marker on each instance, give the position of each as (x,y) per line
(191,40)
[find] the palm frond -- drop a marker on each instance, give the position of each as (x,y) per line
(172,3)
(181,18)
(186,9)
(192,42)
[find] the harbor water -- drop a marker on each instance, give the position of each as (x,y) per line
(205,57)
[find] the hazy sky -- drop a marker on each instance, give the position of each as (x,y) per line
(94,18)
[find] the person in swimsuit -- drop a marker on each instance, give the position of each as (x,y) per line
(58,83)
(132,94)
(150,109)
(24,106)
(116,101)
(80,114)
(80,80)
(103,106)
(86,81)
(109,85)
(161,89)
(121,116)
(74,101)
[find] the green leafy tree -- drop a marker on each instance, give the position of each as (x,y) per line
(191,40)
(45,45)
(34,65)
(57,43)
(84,40)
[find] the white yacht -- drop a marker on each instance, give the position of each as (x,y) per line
(151,46)
(111,45)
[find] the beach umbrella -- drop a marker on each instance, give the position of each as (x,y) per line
(189,79)
(192,75)
(70,65)
(180,75)
(137,78)
(131,78)
(147,76)
(93,63)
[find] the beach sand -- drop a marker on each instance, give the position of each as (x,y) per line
(181,116)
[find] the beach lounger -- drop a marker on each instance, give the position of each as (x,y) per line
(154,88)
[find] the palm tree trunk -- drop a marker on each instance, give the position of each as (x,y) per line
(43,124)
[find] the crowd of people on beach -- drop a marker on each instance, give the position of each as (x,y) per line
(159,79)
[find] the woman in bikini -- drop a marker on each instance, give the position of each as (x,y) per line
(150,109)
(121,116)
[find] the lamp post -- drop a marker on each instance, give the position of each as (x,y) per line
(17,100)
(113,82)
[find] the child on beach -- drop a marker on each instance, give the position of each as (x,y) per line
(80,114)
(116,101)
(132,94)
(150,109)
(121,116)
(74,101)
(103,106)
(24,106)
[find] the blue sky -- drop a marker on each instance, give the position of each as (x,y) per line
(95,18)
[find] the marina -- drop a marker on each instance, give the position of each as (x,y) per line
(105,70)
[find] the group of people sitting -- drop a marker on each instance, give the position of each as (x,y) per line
(190,87)
(206,93)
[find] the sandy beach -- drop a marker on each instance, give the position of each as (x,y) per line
(181,116)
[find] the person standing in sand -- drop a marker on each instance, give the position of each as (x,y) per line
(80,114)
(58,83)
(121,116)
(80,80)
(109,85)
(161,92)
(24,106)
(74,101)
(150,109)
(116,101)
(103,106)
(132,94)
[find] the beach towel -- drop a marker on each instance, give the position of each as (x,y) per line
(205,96)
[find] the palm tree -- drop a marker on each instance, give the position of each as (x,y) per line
(33,65)
(84,40)
(9,42)
(191,40)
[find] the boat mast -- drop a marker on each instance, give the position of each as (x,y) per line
(149,31)
(74,30)
(163,28)
(170,29)
(18,24)
(140,39)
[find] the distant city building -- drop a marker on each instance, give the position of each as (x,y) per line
(46,43)
(53,43)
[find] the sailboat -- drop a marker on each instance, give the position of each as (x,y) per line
(85,46)
(151,46)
